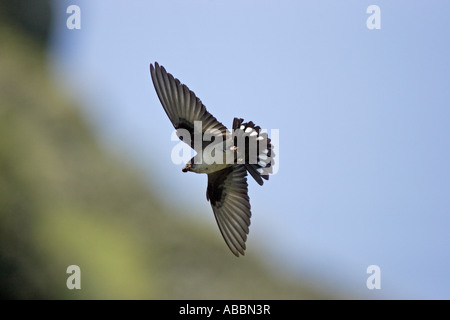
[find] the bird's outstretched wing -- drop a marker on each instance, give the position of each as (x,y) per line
(227,192)
(183,107)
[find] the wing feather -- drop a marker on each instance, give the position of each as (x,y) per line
(182,106)
(227,192)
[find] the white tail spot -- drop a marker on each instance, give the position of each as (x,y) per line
(262,157)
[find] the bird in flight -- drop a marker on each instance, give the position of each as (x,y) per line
(231,155)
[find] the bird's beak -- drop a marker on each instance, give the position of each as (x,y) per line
(186,168)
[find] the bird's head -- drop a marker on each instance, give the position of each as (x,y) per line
(192,167)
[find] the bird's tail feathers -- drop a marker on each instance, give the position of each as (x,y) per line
(254,149)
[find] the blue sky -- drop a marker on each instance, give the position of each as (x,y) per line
(363,117)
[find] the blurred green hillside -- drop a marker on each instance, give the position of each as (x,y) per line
(64,200)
